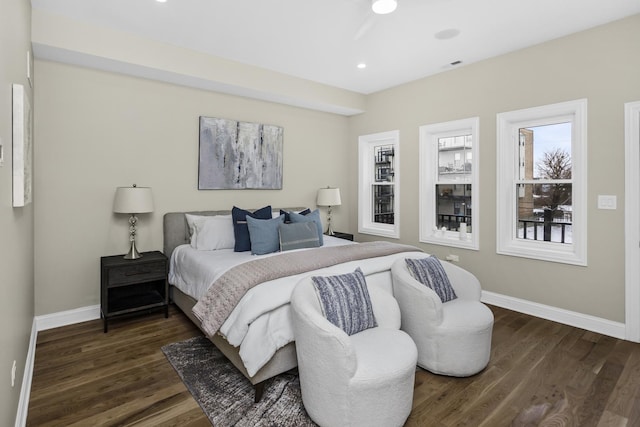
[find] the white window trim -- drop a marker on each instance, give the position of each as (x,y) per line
(507,131)
(429,135)
(366,144)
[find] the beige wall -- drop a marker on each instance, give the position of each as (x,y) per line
(99,130)
(16,243)
(601,65)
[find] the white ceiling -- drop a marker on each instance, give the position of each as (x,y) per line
(324,40)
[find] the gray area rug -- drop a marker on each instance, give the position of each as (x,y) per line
(226,396)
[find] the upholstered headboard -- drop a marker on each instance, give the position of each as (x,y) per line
(176,231)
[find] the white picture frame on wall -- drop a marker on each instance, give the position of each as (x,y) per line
(30,68)
(22,147)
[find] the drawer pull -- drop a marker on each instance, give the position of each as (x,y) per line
(136,273)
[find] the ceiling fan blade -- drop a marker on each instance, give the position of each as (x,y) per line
(366,25)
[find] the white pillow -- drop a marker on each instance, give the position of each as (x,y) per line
(213,232)
(191,219)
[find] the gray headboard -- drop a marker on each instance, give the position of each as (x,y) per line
(176,231)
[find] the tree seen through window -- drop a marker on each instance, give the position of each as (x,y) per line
(544,186)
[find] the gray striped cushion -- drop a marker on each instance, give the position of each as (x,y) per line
(299,235)
(345,301)
(430,272)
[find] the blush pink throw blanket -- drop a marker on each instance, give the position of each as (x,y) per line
(225,293)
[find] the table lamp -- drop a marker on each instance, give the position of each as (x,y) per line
(133,200)
(329,197)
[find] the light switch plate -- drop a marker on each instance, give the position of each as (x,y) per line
(607,202)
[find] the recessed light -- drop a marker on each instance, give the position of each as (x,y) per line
(447,34)
(362,65)
(161,1)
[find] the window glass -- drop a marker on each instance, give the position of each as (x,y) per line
(545,209)
(453,201)
(453,206)
(382,190)
(451,152)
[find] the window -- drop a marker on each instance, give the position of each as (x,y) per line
(449,183)
(378,187)
(542,183)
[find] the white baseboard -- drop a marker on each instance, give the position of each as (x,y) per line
(25,390)
(69,317)
(42,323)
(571,318)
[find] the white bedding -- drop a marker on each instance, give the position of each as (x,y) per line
(193,271)
(261,322)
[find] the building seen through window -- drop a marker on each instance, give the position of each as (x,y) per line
(453,188)
(544,187)
(382,188)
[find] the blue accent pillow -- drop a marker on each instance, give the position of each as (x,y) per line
(430,272)
(345,301)
(299,235)
(240,229)
(310,217)
(264,234)
(287,217)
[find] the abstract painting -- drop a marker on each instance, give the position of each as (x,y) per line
(237,155)
(22,147)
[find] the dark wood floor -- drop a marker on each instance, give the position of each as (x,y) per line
(540,373)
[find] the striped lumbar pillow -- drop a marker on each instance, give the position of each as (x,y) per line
(299,235)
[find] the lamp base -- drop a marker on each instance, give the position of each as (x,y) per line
(133,252)
(329,231)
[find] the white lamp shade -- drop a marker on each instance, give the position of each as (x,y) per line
(133,200)
(329,197)
(382,7)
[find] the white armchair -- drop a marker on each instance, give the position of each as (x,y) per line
(453,338)
(365,379)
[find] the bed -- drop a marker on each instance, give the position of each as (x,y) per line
(254,338)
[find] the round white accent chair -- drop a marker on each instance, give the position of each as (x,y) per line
(365,379)
(453,338)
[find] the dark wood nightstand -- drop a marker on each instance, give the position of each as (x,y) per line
(133,285)
(341,235)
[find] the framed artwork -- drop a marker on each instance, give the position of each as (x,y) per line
(22,147)
(238,155)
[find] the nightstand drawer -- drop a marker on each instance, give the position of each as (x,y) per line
(137,273)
